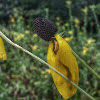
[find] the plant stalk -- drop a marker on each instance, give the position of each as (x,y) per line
(86,65)
(42,61)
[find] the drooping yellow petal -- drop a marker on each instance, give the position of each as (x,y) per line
(64,61)
(2,50)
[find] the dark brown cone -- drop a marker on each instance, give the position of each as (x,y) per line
(45,28)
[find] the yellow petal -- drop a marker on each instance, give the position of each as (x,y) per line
(2,50)
(65,62)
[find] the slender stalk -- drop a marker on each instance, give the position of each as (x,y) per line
(81,60)
(42,61)
(1,88)
(47,13)
(71,17)
(85,22)
(96,19)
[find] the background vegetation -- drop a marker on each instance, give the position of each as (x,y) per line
(24,78)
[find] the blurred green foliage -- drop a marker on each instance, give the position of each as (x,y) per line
(23,77)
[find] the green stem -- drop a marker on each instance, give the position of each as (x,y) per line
(96,19)
(81,60)
(47,13)
(42,61)
(71,17)
(1,88)
(85,23)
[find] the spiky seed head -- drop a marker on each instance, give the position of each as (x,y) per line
(45,28)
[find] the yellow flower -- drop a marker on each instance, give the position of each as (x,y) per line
(81,33)
(14,76)
(85,10)
(34,47)
(27,31)
(92,23)
(2,50)
(28,26)
(89,41)
(63,27)
(68,2)
(92,6)
(48,70)
(35,35)
(43,72)
(46,9)
(15,15)
(21,17)
(57,23)
(15,33)
(46,76)
(70,32)
(84,47)
(84,50)
(61,58)
(76,20)
(19,37)
(58,18)
(68,38)
(67,24)
(76,25)
(12,20)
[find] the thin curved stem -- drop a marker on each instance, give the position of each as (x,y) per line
(42,61)
(86,65)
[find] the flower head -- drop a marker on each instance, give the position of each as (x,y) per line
(58,18)
(89,41)
(28,26)
(12,20)
(34,47)
(76,20)
(19,37)
(92,6)
(67,24)
(45,28)
(68,2)
(84,50)
(27,31)
(70,32)
(85,10)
